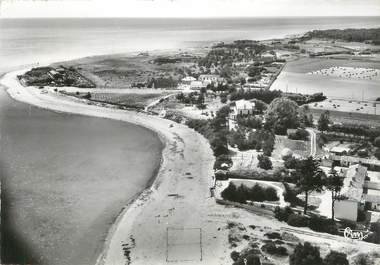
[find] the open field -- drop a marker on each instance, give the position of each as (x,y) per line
(299,148)
(348,117)
(350,106)
(128,99)
(125,71)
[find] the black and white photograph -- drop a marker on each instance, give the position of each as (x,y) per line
(190,132)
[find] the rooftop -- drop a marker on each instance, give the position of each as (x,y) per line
(353,159)
(340,149)
(244,104)
(353,182)
(188,79)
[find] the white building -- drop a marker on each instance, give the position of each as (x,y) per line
(197,85)
(353,192)
(242,107)
(187,80)
(208,79)
(340,150)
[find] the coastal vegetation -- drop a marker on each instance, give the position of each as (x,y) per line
(350,35)
(282,114)
(264,162)
(243,193)
(57,77)
(308,254)
(299,134)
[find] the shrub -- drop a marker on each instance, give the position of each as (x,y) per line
(336,258)
(264,162)
(242,193)
(235,255)
(230,192)
(375,236)
(376,142)
(264,95)
(252,259)
(282,214)
(377,153)
(249,122)
(297,220)
(272,249)
(361,216)
(321,224)
(273,235)
(290,162)
(271,194)
(305,254)
(299,134)
(291,196)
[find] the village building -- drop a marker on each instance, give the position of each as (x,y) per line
(209,79)
(197,85)
(187,80)
(242,107)
(352,191)
(339,150)
(346,161)
(361,190)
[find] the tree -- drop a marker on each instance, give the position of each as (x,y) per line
(377,153)
(264,162)
(305,255)
(229,193)
(237,138)
(223,98)
(305,117)
(200,99)
(324,121)
(282,114)
(336,258)
(203,90)
(309,177)
(376,142)
(334,183)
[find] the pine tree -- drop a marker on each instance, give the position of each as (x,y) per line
(334,183)
(309,177)
(324,121)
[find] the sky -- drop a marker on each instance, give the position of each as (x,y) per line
(187,8)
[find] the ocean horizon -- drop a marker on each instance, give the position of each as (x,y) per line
(45,40)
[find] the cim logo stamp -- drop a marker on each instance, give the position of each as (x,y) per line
(356,234)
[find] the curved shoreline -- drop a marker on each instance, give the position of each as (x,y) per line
(173,140)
